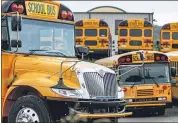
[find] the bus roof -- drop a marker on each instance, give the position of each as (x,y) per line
(109,61)
(172,26)
(172,53)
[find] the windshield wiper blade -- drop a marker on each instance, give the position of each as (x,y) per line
(153,78)
(33,51)
(58,52)
(133,85)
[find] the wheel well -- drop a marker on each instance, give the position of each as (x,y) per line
(17,93)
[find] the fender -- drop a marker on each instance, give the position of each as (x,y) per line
(35,81)
(38,80)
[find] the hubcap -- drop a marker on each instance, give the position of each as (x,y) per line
(27,115)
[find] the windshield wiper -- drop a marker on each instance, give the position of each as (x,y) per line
(153,78)
(133,85)
(33,51)
(58,52)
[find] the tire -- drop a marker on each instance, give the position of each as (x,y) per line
(161,111)
(34,108)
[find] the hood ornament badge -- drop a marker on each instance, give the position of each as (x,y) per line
(101,73)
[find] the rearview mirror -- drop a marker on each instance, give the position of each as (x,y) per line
(14,43)
(16,23)
(80,50)
(173,81)
(173,71)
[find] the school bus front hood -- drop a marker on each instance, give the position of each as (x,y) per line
(45,70)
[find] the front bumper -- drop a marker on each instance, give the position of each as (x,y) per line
(93,108)
(104,115)
(144,105)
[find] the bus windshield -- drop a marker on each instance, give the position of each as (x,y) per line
(45,35)
(144,75)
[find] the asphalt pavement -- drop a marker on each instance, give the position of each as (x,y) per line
(171,115)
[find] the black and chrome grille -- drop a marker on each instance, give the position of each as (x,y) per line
(98,86)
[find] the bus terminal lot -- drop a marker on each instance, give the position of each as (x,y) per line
(170,116)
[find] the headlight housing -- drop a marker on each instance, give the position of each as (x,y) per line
(68,93)
(120,93)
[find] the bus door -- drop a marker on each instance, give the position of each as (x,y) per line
(136,38)
(91,38)
(91,33)
(136,33)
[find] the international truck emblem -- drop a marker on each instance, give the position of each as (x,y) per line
(101,73)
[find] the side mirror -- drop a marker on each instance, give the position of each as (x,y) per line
(16,23)
(14,43)
(173,71)
(80,50)
(173,81)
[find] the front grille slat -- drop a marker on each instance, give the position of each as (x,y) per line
(101,86)
(145,92)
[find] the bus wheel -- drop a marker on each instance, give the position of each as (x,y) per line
(29,109)
(161,111)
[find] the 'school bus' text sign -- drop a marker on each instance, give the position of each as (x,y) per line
(90,23)
(135,23)
(42,9)
(147,57)
(174,26)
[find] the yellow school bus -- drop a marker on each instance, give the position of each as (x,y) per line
(95,34)
(135,35)
(146,81)
(42,80)
(173,56)
(169,37)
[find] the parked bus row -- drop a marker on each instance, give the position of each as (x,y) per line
(133,35)
(42,80)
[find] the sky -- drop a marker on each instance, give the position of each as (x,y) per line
(164,11)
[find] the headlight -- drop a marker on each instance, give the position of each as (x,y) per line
(162,98)
(128,100)
(120,93)
(68,93)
